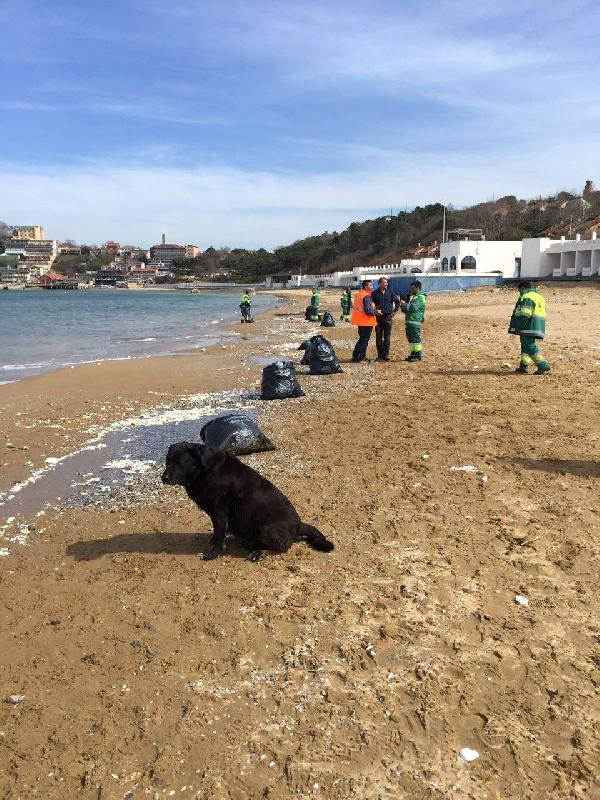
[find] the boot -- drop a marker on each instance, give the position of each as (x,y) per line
(521,369)
(543,367)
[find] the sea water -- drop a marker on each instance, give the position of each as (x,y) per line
(41,330)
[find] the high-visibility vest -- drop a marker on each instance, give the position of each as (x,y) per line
(359,315)
(529,315)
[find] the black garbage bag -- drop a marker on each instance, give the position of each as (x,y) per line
(307,313)
(279,382)
(327,321)
(306,357)
(236,433)
(322,357)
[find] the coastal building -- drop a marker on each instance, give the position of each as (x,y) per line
(143,274)
(192,250)
(539,257)
(34,232)
(110,277)
(37,252)
(167,253)
(55,280)
(563,258)
(468,252)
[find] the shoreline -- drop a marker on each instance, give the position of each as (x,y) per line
(205,334)
(72,400)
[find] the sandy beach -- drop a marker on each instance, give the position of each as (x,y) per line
(449,488)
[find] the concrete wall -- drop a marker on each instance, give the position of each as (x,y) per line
(536,261)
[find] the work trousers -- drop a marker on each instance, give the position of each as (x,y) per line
(530,352)
(383,336)
(413,334)
(360,349)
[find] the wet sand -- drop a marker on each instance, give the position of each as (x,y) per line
(361,673)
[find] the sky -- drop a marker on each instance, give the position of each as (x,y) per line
(252,123)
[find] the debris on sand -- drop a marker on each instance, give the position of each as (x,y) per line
(466,754)
(521,600)
(15,699)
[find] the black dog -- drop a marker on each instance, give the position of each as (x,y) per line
(238,501)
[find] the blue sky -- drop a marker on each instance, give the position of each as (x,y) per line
(256,123)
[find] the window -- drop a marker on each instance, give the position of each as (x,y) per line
(468,262)
(453,263)
(444,264)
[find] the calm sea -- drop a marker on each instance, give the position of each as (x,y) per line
(42,330)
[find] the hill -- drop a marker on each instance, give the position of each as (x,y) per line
(387,239)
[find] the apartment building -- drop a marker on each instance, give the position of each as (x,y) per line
(35,232)
(38,252)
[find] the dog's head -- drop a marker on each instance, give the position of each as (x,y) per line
(186,462)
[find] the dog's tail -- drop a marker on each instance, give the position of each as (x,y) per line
(314,538)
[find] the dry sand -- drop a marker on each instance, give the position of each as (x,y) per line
(358,674)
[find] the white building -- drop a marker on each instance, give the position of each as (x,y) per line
(531,258)
(566,258)
(481,257)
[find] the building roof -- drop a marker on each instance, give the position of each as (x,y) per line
(166,244)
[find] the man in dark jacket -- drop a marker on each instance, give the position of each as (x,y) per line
(386,304)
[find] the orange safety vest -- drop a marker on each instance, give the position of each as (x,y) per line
(359,316)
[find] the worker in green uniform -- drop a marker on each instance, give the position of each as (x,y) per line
(315,301)
(346,303)
(414,310)
(528,321)
(245,306)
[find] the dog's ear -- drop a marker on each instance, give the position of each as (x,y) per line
(202,454)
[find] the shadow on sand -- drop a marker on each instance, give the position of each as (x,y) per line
(152,543)
(584,469)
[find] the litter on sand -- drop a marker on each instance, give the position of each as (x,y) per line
(15,699)
(466,754)
(521,600)
(235,433)
(466,468)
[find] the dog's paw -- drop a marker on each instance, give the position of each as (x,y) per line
(255,555)
(210,554)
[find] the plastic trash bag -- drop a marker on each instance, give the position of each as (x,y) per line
(235,433)
(306,357)
(279,382)
(327,321)
(322,359)
(307,313)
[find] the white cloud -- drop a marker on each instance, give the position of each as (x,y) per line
(226,206)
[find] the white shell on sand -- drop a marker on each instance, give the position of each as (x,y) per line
(521,600)
(466,754)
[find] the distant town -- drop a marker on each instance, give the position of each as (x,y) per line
(30,259)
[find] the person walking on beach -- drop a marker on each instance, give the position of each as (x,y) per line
(364,316)
(528,321)
(315,301)
(386,304)
(414,310)
(346,303)
(245,306)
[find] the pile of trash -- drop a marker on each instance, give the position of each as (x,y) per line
(235,433)
(279,382)
(319,356)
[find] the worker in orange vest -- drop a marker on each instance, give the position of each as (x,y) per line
(364,315)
